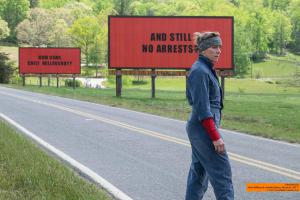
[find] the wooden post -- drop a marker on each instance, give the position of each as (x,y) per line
(23,79)
(49,80)
(57,81)
(118,82)
(40,80)
(223,86)
(186,81)
(74,84)
(153,76)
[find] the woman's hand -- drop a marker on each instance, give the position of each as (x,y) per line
(219,146)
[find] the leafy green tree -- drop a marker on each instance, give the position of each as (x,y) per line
(71,12)
(98,52)
(279,4)
(79,9)
(219,8)
(100,5)
(295,19)
(261,29)
(94,55)
(235,2)
(52,3)
(282,33)
(122,6)
(83,33)
(33,3)
(243,46)
(59,36)
(6,68)
(266,3)
(175,8)
(37,29)
(4,30)
(13,12)
(64,14)
(141,8)
(252,5)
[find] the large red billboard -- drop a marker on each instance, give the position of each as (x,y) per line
(49,60)
(164,42)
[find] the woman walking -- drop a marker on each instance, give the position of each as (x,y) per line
(209,158)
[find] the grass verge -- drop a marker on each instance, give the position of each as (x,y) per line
(251,109)
(28,173)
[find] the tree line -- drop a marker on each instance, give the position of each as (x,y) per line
(260,26)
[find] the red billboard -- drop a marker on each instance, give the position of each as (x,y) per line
(164,42)
(49,60)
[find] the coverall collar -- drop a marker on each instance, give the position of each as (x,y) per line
(206,61)
(210,66)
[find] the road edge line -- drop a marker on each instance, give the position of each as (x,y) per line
(114,191)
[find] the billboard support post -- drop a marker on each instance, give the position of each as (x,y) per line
(49,80)
(186,81)
(23,79)
(40,80)
(153,76)
(74,86)
(118,82)
(57,81)
(223,86)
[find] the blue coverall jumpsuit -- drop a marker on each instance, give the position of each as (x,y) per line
(205,96)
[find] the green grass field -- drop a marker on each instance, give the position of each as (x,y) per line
(28,173)
(274,69)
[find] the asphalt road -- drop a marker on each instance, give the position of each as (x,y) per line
(146,156)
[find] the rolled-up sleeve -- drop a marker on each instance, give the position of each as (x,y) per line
(199,91)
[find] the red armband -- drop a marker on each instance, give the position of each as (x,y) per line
(210,128)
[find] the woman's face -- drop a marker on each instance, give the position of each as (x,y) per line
(212,53)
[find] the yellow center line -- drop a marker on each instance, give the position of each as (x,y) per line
(242,159)
(264,163)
